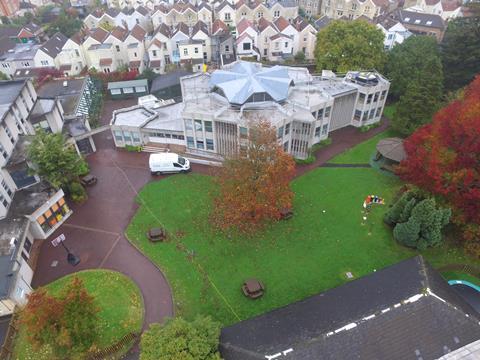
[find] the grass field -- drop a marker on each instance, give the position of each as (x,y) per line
(120,303)
(300,257)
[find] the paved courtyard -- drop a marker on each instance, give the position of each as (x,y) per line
(95,231)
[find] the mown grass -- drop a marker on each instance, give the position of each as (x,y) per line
(120,303)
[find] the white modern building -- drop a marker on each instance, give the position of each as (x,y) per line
(218,107)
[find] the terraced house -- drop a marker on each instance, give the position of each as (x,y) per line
(218,107)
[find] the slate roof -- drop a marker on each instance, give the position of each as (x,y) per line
(168,80)
(244,79)
(404,311)
(200,26)
(219,26)
(322,22)
(141,10)
(164,30)
(243,25)
(120,33)
(281,23)
(420,19)
(54,45)
(99,34)
(223,5)
(138,32)
(263,24)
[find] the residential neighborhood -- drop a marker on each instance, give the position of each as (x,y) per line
(245,179)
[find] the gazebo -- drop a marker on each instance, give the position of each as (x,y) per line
(391,152)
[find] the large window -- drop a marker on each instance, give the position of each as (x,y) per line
(6,188)
(287,129)
(317,130)
(188,124)
(246,46)
(320,114)
(200,144)
(128,90)
(324,129)
(208,126)
(3,151)
(118,135)
(209,144)
(358,115)
(280,132)
(361,98)
(327,112)
(190,142)
(243,132)
(53,215)
(198,125)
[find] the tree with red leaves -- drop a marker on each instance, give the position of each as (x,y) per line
(254,184)
(443,158)
(66,323)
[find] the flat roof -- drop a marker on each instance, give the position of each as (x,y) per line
(132,116)
(41,108)
(169,118)
(9,91)
(130,83)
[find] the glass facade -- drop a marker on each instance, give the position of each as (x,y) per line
(53,215)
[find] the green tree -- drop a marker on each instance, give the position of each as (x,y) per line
(67,24)
(66,323)
(416,60)
(54,160)
(350,45)
(179,339)
(407,233)
(148,74)
(395,212)
(460,51)
(3,76)
(415,108)
(300,57)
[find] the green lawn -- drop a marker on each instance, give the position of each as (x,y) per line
(120,303)
(296,258)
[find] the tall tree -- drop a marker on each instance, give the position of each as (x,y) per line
(460,51)
(54,160)
(254,185)
(179,339)
(443,158)
(67,323)
(416,60)
(350,45)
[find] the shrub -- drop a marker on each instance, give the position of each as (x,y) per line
(417,221)
(133,148)
(366,128)
(77,192)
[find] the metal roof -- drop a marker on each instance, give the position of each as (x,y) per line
(244,79)
(128,83)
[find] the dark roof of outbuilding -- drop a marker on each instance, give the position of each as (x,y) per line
(405,311)
(167,80)
(420,19)
(54,45)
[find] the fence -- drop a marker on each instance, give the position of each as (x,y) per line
(7,347)
(115,348)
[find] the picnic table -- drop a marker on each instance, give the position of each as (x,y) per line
(253,288)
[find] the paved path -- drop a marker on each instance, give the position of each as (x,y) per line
(333,165)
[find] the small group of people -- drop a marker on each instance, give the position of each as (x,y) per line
(373,199)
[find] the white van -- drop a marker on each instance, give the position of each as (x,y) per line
(168,163)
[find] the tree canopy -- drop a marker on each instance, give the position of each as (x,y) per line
(350,45)
(415,71)
(254,184)
(460,51)
(54,160)
(443,157)
(66,323)
(179,339)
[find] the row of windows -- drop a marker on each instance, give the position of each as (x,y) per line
(322,113)
(126,136)
(200,143)
(367,115)
(321,130)
(375,97)
(53,215)
(167,135)
(199,125)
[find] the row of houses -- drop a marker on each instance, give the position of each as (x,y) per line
(30,208)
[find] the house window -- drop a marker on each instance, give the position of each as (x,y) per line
(115,91)
(286,44)
(227,17)
(6,188)
(244,13)
(9,133)
(198,125)
(372,114)
(324,129)
(259,14)
(327,112)
(117,47)
(154,53)
(128,90)
(44,62)
(137,21)
(382,96)
(185,51)
(375,98)
(190,142)
(246,46)
(188,125)
(317,131)
(118,135)
(167,59)
(280,132)
(361,98)
(127,135)
(276,13)
(210,144)
(77,54)
(320,114)
(243,132)
(135,54)
(287,129)
(285,146)
(140,89)
(200,144)
(265,52)
(379,111)
(28,245)
(369,98)
(4,201)
(227,48)
(208,126)
(196,50)
(3,151)
(358,115)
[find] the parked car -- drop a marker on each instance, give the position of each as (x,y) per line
(88,180)
(168,163)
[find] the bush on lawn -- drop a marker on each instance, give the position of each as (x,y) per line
(417,221)
(180,339)
(77,192)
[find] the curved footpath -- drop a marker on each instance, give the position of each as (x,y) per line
(95,231)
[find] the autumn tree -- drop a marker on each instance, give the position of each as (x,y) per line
(253,186)
(180,339)
(350,45)
(66,323)
(443,158)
